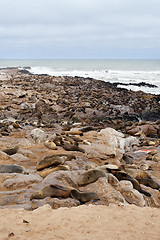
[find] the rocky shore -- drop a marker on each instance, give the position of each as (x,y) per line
(67,141)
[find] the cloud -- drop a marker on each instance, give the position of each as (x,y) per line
(77,28)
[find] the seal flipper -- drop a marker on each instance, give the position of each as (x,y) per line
(59,187)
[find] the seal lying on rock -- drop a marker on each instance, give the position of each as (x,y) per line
(124,176)
(11,151)
(84,196)
(52,191)
(70,147)
(53,160)
(91,176)
(46,172)
(148,182)
(12,168)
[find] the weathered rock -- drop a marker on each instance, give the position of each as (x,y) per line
(131,195)
(18,157)
(38,135)
(16,180)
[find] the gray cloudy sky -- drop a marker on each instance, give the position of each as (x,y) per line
(62,29)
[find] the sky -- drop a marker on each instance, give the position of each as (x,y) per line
(79,29)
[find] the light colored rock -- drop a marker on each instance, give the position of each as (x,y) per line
(20,180)
(26,153)
(38,135)
(131,195)
(130,142)
(156,157)
(18,157)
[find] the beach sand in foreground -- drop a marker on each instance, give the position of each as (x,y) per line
(84,222)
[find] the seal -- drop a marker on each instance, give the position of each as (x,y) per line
(70,147)
(46,172)
(51,145)
(52,191)
(148,182)
(11,151)
(91,176)
(84,196)
(124,176)
(12,168)
(54,160)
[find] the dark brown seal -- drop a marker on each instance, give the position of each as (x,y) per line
(52,191)
(53,160)
(84,196)
(11,151)
(124,176)
(91,176)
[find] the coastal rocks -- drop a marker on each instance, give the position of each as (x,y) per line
(131,195)
(38,135)
(108,143)
(148,130)
(17,180)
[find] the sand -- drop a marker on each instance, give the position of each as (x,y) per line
(81,223)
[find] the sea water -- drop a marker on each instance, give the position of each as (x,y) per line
(122,71)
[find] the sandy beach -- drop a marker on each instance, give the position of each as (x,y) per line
(83,222)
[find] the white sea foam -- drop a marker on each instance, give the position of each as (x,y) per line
(127,77)
(123,71)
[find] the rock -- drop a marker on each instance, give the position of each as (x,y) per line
(65,178)
(131,195)
(27,153)
(156,157)
(38,135)
(20,180)
(55,203)
(4,156)
(18,157)
(130,142)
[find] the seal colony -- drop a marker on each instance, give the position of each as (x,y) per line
(68,141)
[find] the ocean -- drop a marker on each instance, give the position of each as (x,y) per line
(122,71)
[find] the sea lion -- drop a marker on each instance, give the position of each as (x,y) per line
(124,176)
(134,172)
(86,129)
(11,151)
(70,147)
(53,160)
(148,182)
(91,176)
(51,145)
(46,172)
(84,196)
(52,191)
(12,168)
